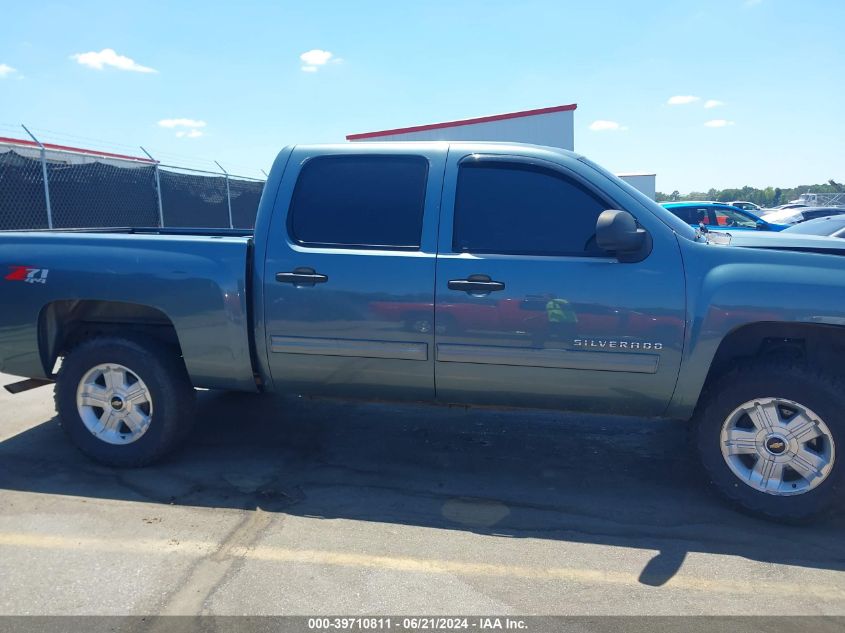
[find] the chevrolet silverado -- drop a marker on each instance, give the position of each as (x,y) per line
(474,273)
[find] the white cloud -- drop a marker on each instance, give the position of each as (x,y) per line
(682,99)
(606,126)
(173,123)
(718,123)
(313,59)
(189,128)
(6,70)
(713,103)
(108,57)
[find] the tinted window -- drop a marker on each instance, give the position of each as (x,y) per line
(820,213)
(521,209)
(820,226)
(703,215)
(692,215)
(369,201)
(685,213)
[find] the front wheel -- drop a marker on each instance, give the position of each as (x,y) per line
(124,401)
(771,436)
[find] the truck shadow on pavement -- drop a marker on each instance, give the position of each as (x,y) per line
(591,479)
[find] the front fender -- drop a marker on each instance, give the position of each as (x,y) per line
(731,287)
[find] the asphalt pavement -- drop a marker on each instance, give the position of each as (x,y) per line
(286,505)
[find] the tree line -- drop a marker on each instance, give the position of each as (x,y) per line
(768,197)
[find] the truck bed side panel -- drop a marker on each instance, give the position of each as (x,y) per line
(197,282)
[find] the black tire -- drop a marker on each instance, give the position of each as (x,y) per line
(163,372)
(822,393)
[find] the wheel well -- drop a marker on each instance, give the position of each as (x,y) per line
(819,345)
(65,324)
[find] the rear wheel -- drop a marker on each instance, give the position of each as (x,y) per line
(771,436)
(124,401)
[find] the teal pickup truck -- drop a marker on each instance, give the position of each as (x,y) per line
(473,273)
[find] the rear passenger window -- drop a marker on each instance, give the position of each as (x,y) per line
(700,216)
(359,201)
(681,212)
(511,208)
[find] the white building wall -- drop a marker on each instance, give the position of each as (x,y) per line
(553,128)
(646,183)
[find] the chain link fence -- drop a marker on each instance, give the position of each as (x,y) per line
(97,189)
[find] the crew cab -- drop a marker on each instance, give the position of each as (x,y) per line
(474,273)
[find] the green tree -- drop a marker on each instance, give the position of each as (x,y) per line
(768,197)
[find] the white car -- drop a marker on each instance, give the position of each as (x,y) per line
(801,214)
(748,206)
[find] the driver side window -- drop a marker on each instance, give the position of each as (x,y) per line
(511,208)
(726,217)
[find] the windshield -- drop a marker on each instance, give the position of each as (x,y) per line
(674,222)
(748,206)
(783,217)
(734,217)
(820,226)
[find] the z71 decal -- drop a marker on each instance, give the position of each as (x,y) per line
(28,274)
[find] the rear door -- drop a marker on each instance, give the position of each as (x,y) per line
(530,312)
(349,272)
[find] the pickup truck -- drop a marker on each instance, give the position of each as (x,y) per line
(491,274)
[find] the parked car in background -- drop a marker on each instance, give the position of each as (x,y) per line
(791,205)
(801,214)
(831,226)
(719,216)
(747,206)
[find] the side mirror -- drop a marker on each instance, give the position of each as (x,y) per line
(617,232)
(762,226)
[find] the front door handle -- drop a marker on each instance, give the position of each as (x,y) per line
(476,285)
(302,276)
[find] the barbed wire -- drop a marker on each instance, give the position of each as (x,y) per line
(96,144)
(66,189)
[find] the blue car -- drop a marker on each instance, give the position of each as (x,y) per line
(720,217)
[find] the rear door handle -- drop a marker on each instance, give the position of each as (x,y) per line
(476,285)
(302,276)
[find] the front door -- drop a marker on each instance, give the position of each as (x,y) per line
(530,312)
(349,273)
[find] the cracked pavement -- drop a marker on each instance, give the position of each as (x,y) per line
(285,505)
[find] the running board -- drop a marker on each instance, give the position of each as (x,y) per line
(26,385)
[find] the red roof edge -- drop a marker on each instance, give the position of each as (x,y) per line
(481,119)
(79,150)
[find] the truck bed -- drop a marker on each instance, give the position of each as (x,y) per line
(194,281)
(148,230)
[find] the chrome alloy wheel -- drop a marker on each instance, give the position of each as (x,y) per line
(777,446)
(114,403)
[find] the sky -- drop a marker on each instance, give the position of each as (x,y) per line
(706,93)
